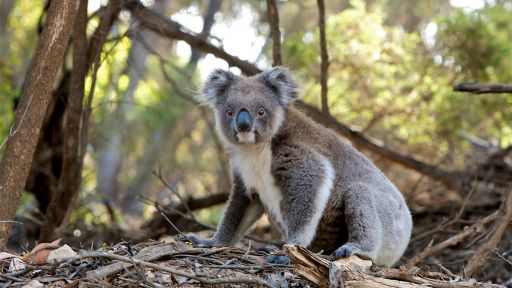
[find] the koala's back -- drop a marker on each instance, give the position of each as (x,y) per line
(357,178)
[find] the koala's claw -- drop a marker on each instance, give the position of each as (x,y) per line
(194,240)
(275,259)
(343,252)
(268,249)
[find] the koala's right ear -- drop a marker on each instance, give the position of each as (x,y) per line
(216,84)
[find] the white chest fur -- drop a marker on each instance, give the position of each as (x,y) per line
(253,165)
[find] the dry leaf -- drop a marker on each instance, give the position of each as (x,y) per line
(72,284)
(16,264)
(33,284)
(5,255)
(39,254)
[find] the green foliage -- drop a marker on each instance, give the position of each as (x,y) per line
(389,84)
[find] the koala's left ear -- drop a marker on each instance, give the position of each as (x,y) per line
(280,81)
(215,86)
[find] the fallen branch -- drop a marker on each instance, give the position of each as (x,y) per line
(132,261)
(356,272)
(481,88)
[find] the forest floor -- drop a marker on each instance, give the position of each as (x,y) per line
(178,264)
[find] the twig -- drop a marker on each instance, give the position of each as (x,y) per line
(324,66)
(273,20)
(170,222)
(429,250)
(481,88)
(163,268)
(502,258)
(158,174)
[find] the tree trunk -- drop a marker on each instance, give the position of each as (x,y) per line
(29,115)
(69,182)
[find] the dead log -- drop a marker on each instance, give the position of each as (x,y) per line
(356,272)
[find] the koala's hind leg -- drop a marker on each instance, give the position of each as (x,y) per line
(363,224)
(305,179)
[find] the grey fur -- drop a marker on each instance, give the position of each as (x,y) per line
(322,193)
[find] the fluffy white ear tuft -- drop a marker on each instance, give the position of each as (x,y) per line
(217,83)
(280,81)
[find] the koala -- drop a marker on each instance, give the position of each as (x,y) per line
(321,192)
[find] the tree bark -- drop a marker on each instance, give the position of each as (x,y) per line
(28,118)
(70,178)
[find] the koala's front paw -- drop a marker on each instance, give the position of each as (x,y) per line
(202,243)
(344,251)
(276,259)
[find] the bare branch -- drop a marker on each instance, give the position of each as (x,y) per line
(273,20)
(168,28)
(481,88)
(324,67)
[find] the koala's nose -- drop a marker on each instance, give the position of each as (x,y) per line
(243,121)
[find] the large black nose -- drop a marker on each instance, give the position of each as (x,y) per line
(243,121)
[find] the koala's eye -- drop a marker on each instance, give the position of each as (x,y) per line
(261,112)
(230,112)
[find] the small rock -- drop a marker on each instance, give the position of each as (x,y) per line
(62,252)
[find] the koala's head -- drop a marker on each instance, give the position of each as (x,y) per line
(249,110)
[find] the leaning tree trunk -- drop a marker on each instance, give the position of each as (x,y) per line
(29,115)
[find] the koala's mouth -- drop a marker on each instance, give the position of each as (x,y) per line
(246,137)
